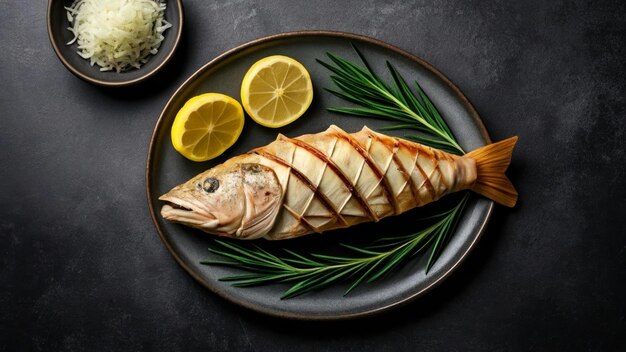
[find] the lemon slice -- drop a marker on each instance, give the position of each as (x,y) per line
(206,126)
(276,91)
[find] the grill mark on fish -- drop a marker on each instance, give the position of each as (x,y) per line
(426,183)
(394,155)
(435,161)
(394,159)
(301,219)
(355,144)
(319,195)
(321,156)
(409,148)
(441,178)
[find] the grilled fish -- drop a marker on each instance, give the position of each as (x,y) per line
(329,180)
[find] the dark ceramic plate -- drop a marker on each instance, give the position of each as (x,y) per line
(59,36)
(166,168)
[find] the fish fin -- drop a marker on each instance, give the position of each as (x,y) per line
(335,128)
(491,162)
(258,224)
(368,130)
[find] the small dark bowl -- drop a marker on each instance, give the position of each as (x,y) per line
(59,36)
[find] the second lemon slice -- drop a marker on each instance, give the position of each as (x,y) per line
(206,126)
(276,91)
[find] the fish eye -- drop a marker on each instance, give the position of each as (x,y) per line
(210,184)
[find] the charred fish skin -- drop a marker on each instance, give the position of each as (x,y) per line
(330,180)
(338,179)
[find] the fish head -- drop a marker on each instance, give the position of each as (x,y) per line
(238,200)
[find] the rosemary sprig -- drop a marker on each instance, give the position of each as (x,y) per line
(308,272)
(316,271)
(363,87)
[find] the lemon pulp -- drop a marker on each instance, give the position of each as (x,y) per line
(276,91)
(206,126)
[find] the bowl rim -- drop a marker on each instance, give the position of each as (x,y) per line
(100,82)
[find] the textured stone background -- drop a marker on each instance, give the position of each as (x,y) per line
(81,267)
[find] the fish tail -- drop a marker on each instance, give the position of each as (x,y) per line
(491,162)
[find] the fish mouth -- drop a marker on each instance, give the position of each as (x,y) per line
(187,212)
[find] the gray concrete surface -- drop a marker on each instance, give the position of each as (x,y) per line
(81,265)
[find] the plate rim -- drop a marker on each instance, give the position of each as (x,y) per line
(332,34)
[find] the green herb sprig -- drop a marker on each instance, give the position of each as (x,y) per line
(314,271)
(362,86)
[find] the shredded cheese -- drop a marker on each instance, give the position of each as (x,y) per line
(117,34)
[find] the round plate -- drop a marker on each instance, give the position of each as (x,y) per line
(166,169)
(59,36)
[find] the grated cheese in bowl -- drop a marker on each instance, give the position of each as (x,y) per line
(117,34)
